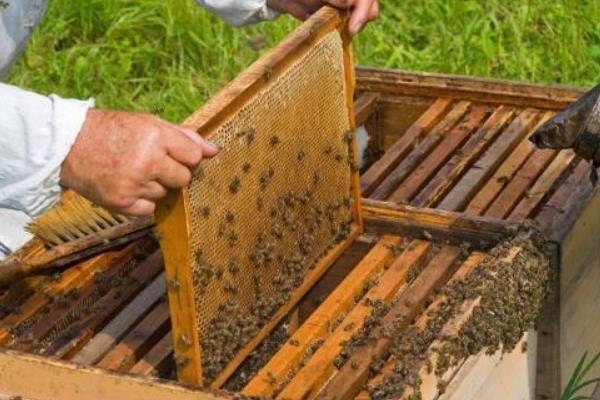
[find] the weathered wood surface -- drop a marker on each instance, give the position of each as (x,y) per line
(579,290)
(16,267)
(388,218)
(319,322)
(118,326)
(44,379)
(463,87)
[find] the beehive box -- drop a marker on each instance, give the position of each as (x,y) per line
(450,165)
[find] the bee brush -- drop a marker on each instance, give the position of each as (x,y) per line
(73,229)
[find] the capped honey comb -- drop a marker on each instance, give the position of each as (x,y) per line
(264,219)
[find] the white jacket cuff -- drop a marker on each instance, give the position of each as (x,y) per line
(37,134)
(240,12)
(12,234)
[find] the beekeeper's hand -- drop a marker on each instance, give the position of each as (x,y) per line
(363,11)
(126,161)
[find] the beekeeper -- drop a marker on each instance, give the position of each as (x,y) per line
(122,160)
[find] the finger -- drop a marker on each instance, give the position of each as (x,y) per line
(374,14)
(141,207)
(153,191)
(183,150)
(360,16)
(172,174)
(209,149)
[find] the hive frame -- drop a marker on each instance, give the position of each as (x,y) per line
(171,213)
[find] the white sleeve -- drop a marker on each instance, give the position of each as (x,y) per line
(240,12)
(36,133)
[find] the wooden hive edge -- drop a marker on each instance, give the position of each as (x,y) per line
(487,90)
(75,382)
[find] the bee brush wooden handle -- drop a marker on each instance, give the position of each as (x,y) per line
(12,271)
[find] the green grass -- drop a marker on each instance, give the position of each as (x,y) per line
(168,57)
(580,383)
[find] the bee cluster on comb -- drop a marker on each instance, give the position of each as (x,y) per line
(268,209)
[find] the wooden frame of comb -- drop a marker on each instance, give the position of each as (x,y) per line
(174,231)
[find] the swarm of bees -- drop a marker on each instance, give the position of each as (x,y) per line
(511,296)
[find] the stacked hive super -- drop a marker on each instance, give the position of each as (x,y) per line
(390,313)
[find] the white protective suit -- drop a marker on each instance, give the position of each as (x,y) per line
(37,132)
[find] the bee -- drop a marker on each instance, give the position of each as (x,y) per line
(276,231)
(233,238)
(274,140)
(234,267)
(348,202)
(348,136)
(271,379)
(206,211)
(246,167)
(229,217)
(221,231)
(198,172)
(235,185)
(300,155)
(250,134)
(328,150)
(260,203)
(338,157)
(267,73)
(265,178)
(317,177)
(182,361)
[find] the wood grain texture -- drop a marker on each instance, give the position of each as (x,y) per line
(56,379)
(318,324)
(385,217)
(543,185)
(484,167)
(138,341)
(394,155)
(73,278)
(350,380)
(492,91)
(447,175)
(71,340)
(318,369)
(417,151)
(438,156)
(520,182)
(152,361)
(118,326)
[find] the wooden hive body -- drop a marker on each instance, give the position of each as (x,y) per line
(451,163)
